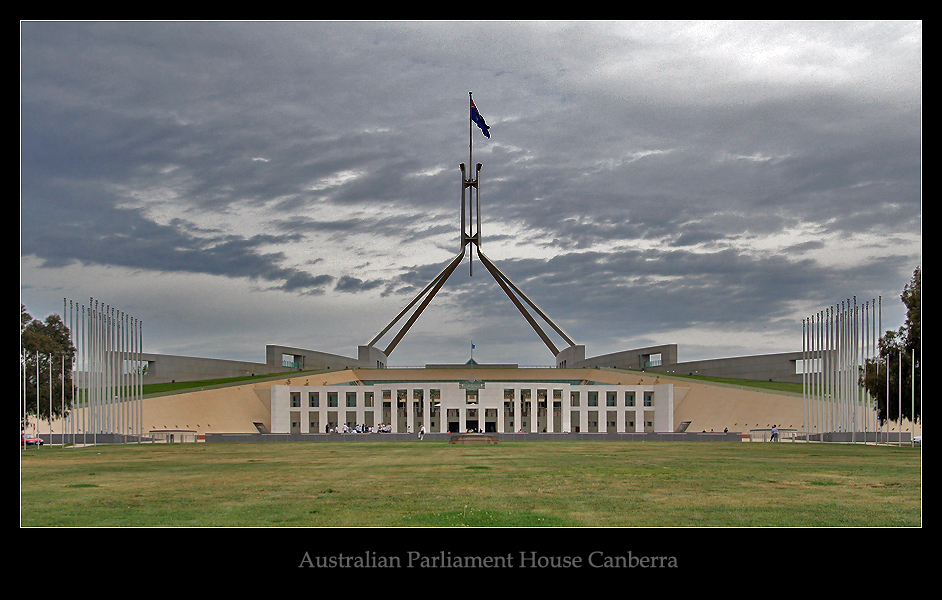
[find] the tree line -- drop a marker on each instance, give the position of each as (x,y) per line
(46,356)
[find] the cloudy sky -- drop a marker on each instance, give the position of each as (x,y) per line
(237,184)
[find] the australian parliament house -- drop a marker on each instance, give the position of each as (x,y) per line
(309,394)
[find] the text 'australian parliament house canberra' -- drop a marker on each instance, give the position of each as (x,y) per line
(305,394)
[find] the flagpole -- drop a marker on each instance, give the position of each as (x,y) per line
(470,170)
(470,134)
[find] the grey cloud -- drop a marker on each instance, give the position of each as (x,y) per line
(348,283)
(679,138)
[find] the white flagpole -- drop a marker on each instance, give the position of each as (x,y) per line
(899,381)
(887,419)
(62,405)
(819,376)
(831,364)
(912,414)
(470,135)
(23,415)
(96,425)
(140,385)
(49,419)
(880,332)
(804,378)
(855,376)
(37,393)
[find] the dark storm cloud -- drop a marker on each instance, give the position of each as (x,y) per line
(348,283)
(90,234)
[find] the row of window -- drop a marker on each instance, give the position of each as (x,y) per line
(592,398)
(592,425)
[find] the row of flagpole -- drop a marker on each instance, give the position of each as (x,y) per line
(836,343)
(107,376)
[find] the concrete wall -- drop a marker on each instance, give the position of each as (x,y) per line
(164,368)
(762,367)
(372,357)
(309,360)
(630,359)
(571,356)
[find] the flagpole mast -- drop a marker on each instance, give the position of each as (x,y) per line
(470,136)
(470,171)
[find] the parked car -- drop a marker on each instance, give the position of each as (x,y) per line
(30,440)
(917,439)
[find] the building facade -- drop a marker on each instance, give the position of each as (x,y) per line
(488,407)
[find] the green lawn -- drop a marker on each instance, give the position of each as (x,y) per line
(437,484)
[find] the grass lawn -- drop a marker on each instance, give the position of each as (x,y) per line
(437,484)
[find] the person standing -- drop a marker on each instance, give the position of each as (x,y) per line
(422,432)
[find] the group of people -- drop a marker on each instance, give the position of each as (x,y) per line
(381,428)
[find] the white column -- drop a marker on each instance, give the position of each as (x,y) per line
(500,410)
(427,405)
(534,412)
(463,411)
(517,409)
(550,410)
(619,411)
(305,410)
(361,408)
(322,418)
(565,406)
(584,410)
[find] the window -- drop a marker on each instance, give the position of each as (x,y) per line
(351,399)
(629,398)
(313,399)
(611,399)
(332,399)
(593,398)
(648,399)
(295,399)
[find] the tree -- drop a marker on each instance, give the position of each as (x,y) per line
(899,348)
(46,350)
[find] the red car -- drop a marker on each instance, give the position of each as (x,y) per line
(30,440)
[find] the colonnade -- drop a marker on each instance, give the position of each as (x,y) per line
(505,407)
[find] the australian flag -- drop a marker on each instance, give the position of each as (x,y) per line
(479,120)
